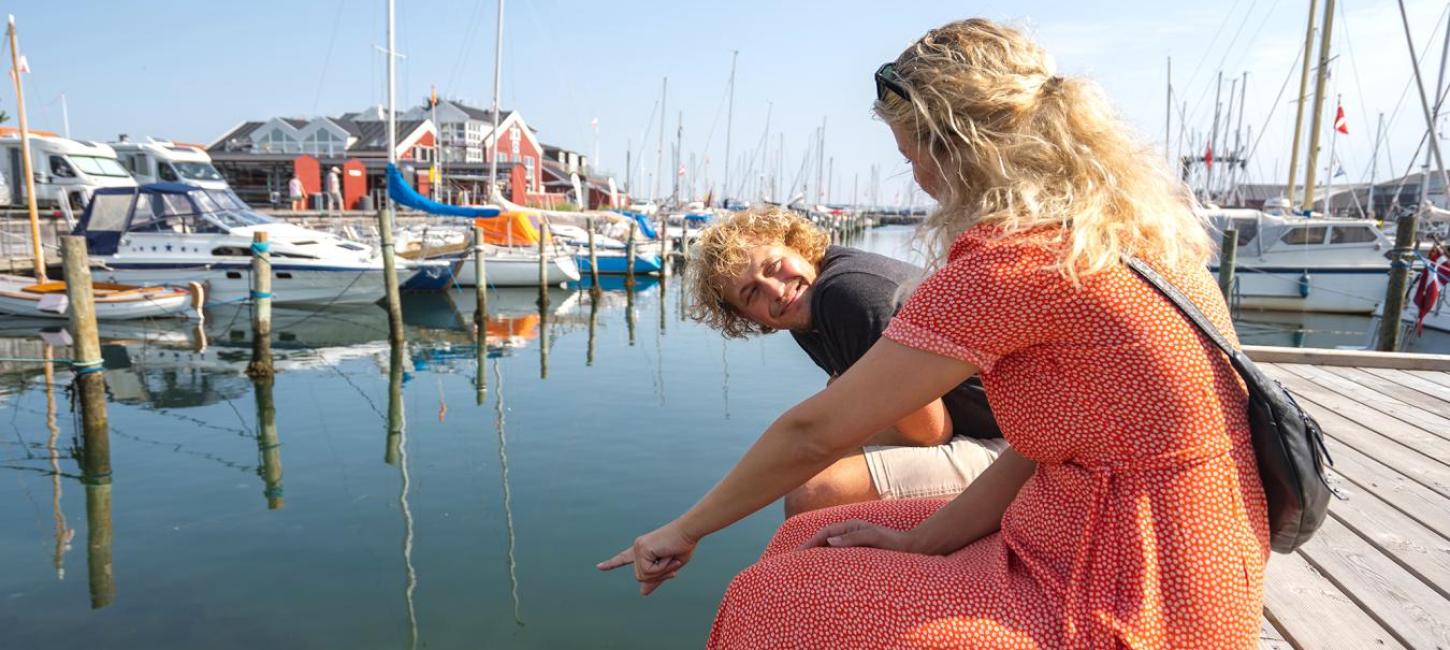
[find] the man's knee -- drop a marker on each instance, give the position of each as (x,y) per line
(846,481)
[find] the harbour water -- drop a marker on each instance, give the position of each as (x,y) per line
(292,514)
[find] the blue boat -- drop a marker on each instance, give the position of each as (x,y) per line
(616,263)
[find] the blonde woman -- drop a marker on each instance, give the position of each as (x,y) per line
(1128,512)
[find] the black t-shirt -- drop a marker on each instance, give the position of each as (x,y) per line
(852,302)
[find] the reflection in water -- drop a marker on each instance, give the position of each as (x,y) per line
(508,511)
(594,296)
(268,445)
(63,533)
(398,445)
(629,313)
(725,377)
(543,335)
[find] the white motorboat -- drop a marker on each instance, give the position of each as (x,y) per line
(21,296)
(1311,264)
(167,232)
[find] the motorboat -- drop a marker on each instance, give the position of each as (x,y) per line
(161,233)
(612,254)
(1310,264)
(516,266)
(24,297)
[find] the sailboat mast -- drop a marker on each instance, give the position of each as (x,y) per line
(1213,138)
(1424,102)
(729,124)
(1316,124)
(1223,144)
(660,144)
(1299,105)
(1168,115)
(497,91)
(1374,162)
(679,153)
(1237,162)
(385,218)
(1435,116)
(36,251)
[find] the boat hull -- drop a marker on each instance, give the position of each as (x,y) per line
(1333,290)
(170,303)
(290,285)
(619,264)
(519,271)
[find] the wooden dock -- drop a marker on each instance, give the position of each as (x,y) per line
(1377,574)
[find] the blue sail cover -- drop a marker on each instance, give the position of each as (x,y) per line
(643,221)
(404,195)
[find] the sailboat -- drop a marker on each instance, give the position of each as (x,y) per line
(41,298)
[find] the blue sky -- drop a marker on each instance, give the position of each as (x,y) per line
(191,70)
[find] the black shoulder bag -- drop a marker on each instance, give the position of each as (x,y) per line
(1288,443)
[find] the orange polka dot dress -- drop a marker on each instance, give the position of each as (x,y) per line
(1143,526)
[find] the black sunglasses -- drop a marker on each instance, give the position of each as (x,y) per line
(887,80)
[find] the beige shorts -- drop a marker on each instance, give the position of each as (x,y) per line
(939,470)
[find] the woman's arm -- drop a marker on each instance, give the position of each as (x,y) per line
(888,383)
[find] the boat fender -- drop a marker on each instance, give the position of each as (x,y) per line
(1304,281)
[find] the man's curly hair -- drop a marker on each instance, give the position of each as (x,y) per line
(721,250)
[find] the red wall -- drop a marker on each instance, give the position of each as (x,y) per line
(526,149)
(310,172)
(354,183)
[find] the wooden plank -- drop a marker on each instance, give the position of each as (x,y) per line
(1337,380)
(1397,433)
(1416,501)
(1414,547)
(1411,389)
(1442,378)
(1270,638)
(1406,461)
(1406,607)
(1313,612)
(1416,382)
(1356,358)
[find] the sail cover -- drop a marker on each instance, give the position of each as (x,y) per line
(644,226)
(404,195)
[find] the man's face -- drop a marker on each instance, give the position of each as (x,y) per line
(773,289)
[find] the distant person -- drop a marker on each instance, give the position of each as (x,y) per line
(769,269)
(297,194)
(334,189)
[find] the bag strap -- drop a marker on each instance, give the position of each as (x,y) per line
(1183,304)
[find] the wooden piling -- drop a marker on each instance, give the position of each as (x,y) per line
(629,254)
(267,441)
(91,389)
(480,285)
(261,364)
(665,255)
(1227,257)
(593,255)
(543,259)
(394,300)
(1401,259)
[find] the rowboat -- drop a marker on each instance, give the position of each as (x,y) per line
(21,296)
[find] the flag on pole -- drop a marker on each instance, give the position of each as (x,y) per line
(1431,282)
(1208,156)
(681,172)
(594,123)
(1340,124)
(23,65)
(433,97)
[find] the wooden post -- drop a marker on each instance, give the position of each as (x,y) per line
(480,280)
(261,365)
(91,388)
(37,253)
(267,441)
(593,256)
(1227,256)
(543,256)
(390,274)
(1401,259)
(395,403)
(665,254)
(629,254)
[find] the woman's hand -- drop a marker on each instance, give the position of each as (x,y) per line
(844,534)
(657,556)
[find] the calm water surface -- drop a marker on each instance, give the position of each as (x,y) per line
(294,515)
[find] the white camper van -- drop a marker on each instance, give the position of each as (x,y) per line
(65,170)
(157,161)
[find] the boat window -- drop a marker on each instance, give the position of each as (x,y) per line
(61,168)
(226,199)
(98,166)
(108,211)
(166,173)
(204,202)
(1352,235)
(1248,230)
(197,171)
(1305,236)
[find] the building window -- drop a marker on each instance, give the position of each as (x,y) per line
(323,142)
(277,141)
(529,173)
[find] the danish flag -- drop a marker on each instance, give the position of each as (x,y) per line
(1432,281)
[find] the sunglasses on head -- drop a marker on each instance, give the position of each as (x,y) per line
(887,80)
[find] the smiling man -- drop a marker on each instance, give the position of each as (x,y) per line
(769,269)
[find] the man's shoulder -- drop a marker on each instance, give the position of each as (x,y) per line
(848,271)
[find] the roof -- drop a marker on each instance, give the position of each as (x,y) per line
(150,188)
(474,112)
(372,136)
(236,135)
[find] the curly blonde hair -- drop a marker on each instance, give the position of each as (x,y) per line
(722,250)
(1022,149)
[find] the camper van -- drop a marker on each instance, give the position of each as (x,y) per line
(65,170)
(160,161)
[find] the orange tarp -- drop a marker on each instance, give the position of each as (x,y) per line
(509,229)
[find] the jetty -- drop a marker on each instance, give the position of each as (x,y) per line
(1377,574)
